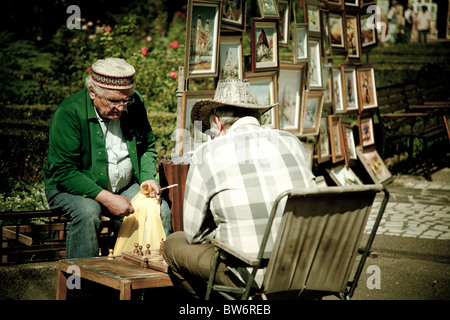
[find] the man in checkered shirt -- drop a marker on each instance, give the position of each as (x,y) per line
(231,186)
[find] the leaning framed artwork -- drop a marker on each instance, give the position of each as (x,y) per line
(264,44)
(350,89)
(264,88)
(312,17)
(323,142)
(366,131)
(231,58)
(202,41)
(366,88)
(344,176)
(291,91)
(336,138)
(268,8)
(337,32)
(315,77)
(300,39)
(353,36)
(338,89)
(374,165)
(350,143)
(189,98)
(311,111)
(233,15)
(284,25)
(368,32)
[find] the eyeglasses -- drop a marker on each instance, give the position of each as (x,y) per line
(116,103)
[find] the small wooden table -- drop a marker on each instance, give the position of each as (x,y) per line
(118,274)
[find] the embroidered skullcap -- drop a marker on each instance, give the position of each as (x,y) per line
(113,73)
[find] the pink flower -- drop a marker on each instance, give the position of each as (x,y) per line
(88,69)
(108,29)
(173,75)
(144,51)
(174,45)
(181,14)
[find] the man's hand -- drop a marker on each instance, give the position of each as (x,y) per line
(116,204)
(150,188)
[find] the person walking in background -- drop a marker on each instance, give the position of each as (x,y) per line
(392,22)
(408,22)
(423,24)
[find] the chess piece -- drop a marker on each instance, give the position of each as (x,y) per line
(148,252)
(140,251)
(145,263)
(135,251)
(111,254)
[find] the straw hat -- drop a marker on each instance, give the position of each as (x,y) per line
(229,92)
(113,73)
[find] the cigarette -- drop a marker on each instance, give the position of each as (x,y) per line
(168,187)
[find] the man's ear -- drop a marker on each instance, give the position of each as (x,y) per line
(218,124)
(92,93)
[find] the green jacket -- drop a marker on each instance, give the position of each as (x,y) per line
(76,158)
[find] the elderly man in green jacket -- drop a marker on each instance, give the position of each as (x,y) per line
(101,149)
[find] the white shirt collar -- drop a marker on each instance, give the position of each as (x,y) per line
(242,122)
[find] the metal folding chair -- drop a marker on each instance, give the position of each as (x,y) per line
(316,247)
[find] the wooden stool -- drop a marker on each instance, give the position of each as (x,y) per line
(116,273)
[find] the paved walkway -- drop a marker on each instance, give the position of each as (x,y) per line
(416,208)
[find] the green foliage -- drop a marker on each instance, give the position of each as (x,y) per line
(24,196)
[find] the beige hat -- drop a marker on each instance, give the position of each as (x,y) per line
(113,73)
(229,92)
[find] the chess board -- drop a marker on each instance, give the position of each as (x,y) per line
(154,261)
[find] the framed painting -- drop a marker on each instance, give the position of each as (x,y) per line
(366,88)
(368,32)
(344,176)
(350,89)
(300,37)
(313,18)
(327,85)
(323,142)
(233,14)
(189,98)
(264,45)
(202,43)
(326,35)
(374,165)
(231,57)
(336,139)
(315,77)
(353,36)
(268,8)
(337,32)
(264,86)
(366,131)
(291,84)
(337,74)
(284,25)
(349,139)
(311,112)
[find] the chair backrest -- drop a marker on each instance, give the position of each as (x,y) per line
(318,238)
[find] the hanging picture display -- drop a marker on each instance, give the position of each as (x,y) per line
(288,50)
